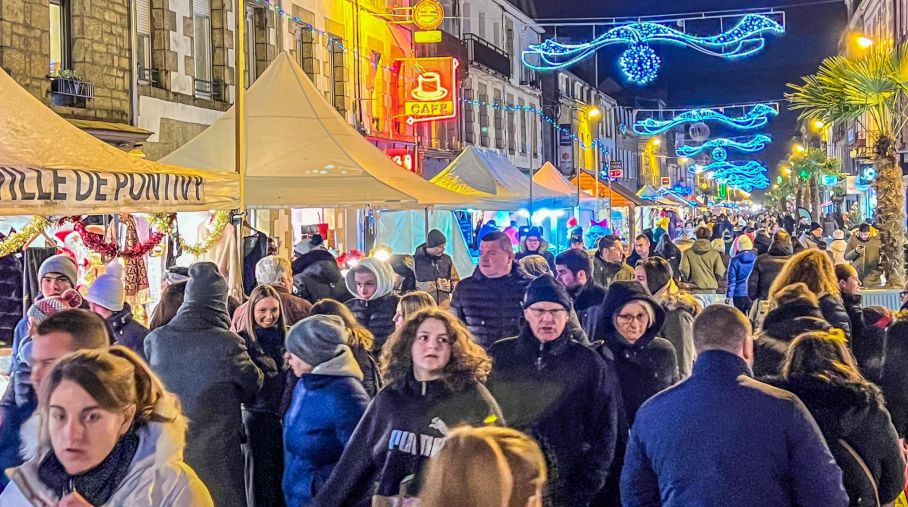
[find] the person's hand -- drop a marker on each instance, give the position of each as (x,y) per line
(74,499)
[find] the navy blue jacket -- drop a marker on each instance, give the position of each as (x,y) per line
(492,308)
(738,271)
(722,438)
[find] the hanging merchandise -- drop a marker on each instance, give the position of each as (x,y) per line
(17,240)
(135,272)
(96,242)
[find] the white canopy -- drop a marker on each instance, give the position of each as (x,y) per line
(50,167)
(495,184)
(302,153)
(551,178)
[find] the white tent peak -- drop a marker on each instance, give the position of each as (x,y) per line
(301,152)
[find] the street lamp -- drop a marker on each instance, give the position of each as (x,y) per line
(593,112)
(863,41)
(817,125)
(786,171)
(798,148)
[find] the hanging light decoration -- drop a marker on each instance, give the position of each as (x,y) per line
(755,117)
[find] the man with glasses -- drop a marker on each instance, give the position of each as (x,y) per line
(560,392)
(608,263)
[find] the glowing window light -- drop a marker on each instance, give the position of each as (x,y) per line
(752,145)
(755,117)
(639,62)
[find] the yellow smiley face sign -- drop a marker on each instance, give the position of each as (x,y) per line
(428,14)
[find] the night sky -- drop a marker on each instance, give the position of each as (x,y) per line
(688,78)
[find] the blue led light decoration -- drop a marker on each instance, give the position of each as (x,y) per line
(719,154)
(745,176)
(755,117)
(639,62)
(751,145)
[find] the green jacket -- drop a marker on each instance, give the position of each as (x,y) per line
(604,273)
(867,263)
(702,266)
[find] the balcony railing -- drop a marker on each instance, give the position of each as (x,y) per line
(211,90)
(149,76)
(71,92)
(485,53)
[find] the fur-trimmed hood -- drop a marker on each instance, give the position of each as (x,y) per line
(671,297)
(543,245)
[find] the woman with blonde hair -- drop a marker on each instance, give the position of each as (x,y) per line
(814,269)
(433,372)
(850,412)
(485,467)
(535,265)
(110,436)
(411,303)
(360,341)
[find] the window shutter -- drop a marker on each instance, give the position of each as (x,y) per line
(201,7)
(143,16)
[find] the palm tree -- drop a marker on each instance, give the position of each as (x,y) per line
(871,90)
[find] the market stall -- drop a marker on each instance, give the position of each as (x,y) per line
(621,201)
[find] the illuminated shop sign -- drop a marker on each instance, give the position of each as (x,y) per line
(430,88)
(403,157)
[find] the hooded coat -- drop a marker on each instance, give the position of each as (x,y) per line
(837,248)
(491,307)
(404,425)
(680,310)
(127,332)
(587,299)
(543,251)
(568,399)
(435,274)
(198,339)
(867,263)
(702,266)
(604,272)
(895,373)
(157,474)
(780,327)
(377,312)
(327,405)
(317,276)
(739,270)
(722,438)
(645,367)
(765,270)
(854,412)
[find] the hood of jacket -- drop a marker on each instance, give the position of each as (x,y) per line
(200,312)
(746,258)
(838,245)
(777,250)
(702,246)
(787,322)
(384,278)
(621,293)
(342,365)
(588,296)
(671,297)
(543,245)
(839,406)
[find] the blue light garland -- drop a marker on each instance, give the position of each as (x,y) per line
(639,62)
(755,117)
(746,176)
(752,145)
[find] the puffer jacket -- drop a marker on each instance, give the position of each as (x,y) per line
(780,327)
(834,312)
(895,373)
(491,307)
(702,266)
(435,274)
(157,475)
(853,412)
(765,270)
(317,277)
(543,251)
(376,313)
(128,332)
(867,263)
(739,270)
(604,273)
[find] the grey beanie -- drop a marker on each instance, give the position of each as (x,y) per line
(62,264)
(205,284)
(317,339)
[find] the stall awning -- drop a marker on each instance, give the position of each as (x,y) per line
(48,166)
(619,195)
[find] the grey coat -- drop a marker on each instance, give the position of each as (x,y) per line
(206,365)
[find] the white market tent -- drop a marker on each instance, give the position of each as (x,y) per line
(302,153)
(50,167)
(495,184)
(551,178)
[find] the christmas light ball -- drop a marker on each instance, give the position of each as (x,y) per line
(719,154)
(640,64)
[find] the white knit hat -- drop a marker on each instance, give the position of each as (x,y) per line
(108,291)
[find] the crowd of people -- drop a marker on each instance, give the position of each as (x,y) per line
(586,378)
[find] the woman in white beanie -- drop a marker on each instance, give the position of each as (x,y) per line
(107,298)
(837,247)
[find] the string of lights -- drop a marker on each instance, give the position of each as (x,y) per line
(751,145)
(744,176)
(755,117)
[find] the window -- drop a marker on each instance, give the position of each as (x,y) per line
(469,116)
(250,73)
(509,43)
(499,123)
(523,127)
(482,25)
(466,18)
(59,36)
(201,39)
(143,38)
(305,51)
(483,116)
(338,80)
(512,127)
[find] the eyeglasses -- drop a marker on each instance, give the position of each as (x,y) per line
(626,318)
(539,313)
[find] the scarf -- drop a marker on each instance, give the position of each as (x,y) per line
(98,484)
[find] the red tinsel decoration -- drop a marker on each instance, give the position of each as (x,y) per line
(96,242)
(348,256)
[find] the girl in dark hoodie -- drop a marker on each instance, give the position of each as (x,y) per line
(795,310)
(849,410)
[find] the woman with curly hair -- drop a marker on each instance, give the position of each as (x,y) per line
(433,373)
(814,269)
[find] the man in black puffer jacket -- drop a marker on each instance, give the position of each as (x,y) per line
(317,276)
(374,303)
(489,302)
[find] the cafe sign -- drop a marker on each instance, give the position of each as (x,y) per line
(430,88)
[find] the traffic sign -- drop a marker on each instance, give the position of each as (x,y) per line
(666,181)
(616,173)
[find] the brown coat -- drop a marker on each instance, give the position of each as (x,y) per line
(294,309)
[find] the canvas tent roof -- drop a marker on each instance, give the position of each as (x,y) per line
(50,167)
(302,153)
(653,197)
(620,196)
(494,183)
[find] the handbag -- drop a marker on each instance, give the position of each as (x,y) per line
(857,457)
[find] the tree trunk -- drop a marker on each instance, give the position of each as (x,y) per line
(815,198)
(890,194)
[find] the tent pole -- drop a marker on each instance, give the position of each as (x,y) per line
(240,111)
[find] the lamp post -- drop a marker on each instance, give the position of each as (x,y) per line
(592,113)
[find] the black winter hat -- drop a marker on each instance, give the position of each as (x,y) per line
(435,239)
(534,232)
(814,226)
(546,288)
(205,284)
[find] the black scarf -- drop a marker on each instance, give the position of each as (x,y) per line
(98,484)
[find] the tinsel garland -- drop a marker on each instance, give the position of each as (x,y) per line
(16,240)
(167,221)
(96,243)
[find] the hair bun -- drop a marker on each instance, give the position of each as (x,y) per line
(72,298)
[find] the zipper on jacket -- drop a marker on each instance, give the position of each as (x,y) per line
(423,388)
(539,356)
